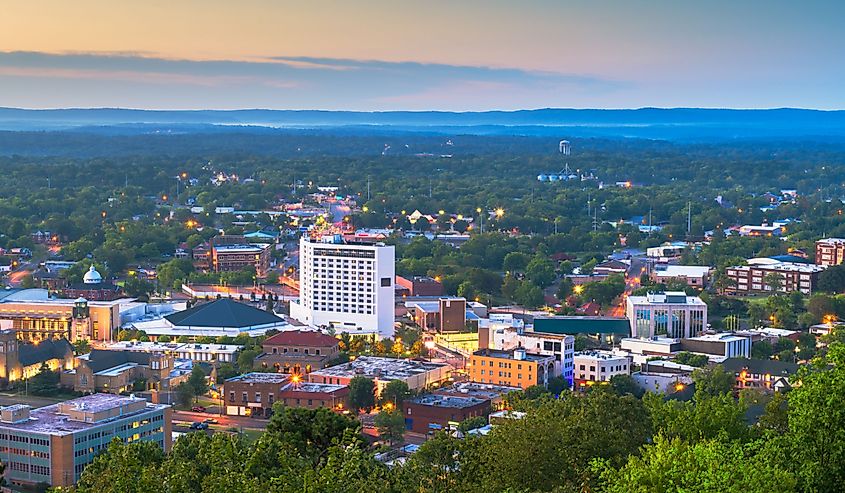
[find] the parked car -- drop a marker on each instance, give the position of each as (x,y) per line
(198,425)
(210,421)
(198,409)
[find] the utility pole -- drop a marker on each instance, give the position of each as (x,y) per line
(429,188)
(368,189)
(689,219)
(649,221)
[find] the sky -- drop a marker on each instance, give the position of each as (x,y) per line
(458,55)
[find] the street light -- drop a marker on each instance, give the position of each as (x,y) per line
(430,346)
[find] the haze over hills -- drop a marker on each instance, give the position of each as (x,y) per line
(689,124)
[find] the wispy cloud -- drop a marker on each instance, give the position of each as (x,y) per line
(35,79)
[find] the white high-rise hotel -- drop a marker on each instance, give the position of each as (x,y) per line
(345,285)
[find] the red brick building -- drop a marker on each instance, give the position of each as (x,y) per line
(433,412)
(418,286)
(830,251)
(297,351)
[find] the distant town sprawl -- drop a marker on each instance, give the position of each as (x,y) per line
(437,317)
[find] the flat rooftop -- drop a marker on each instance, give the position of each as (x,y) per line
(437,400)
(50,420)
(509,354)
(258,377)
(170,347)
(313,388)
(599,355)
(723,337)
(381,368)
(477,390)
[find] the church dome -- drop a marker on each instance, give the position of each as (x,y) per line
(92,276)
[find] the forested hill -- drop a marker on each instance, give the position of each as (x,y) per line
(689,124)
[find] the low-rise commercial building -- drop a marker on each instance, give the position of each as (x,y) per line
(297,351)
(418,286)
(53,444)
(220,353)
(693,275)
(315,395)
(560,346)
(514,368)
(253,394)
(417,374)
(599,366)
(446,314)
(723,345)
(434,412)
(496,394)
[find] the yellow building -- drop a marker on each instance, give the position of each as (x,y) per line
(514,368)
(36,319)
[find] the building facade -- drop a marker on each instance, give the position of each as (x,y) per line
(758,277)
(560,346)
(21,359)
(724,345)
(297,351)
(418,286)
(830,251)
(235,253)
(39,319)
(670,314)
(434,412)
(514,368)
(53,444)
(253,394)
(599,366)
(346,285)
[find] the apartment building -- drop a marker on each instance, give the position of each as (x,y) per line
(233,253)
(757,277)
(830,251)
(346,285)
(53,444)
(560,346)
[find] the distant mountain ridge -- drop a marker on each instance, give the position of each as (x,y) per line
(672,123)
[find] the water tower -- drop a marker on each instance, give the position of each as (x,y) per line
(564,147)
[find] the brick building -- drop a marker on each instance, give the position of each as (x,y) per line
(830,251)
(792,277)
(253,394)
(434,412)
(297,351)
(418,286)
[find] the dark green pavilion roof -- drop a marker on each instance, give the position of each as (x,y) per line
(582,325)
(223,313)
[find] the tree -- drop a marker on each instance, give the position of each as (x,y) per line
(466,290)
(164,338)
(391,425)
(82,346)
(624,384)
(197,381)
(310,432)
(225,372)
(691,359)
(185,394)
(45,382)
(540,271)
(395,392)
(713,381)
(773,281)
(671,464)
(832,279)
(529,295)
(124,468)
(361,393)
(762,350)
(515,262)
(472,423)
(246,359)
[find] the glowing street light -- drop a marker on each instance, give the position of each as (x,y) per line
(500,212)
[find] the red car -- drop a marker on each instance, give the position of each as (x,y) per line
(198,409)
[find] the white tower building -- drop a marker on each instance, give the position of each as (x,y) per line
(347,286)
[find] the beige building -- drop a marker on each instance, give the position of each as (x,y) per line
(36,317)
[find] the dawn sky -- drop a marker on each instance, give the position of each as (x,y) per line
(447,55)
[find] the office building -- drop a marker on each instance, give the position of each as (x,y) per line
(514,368)
(419,375)
(418,286)
(346,285)
(443,315)
(230,253)
(830,251)
(599,366)
(772,275)
(53,444)
(672,314)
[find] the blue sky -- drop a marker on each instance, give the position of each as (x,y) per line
(380,55)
